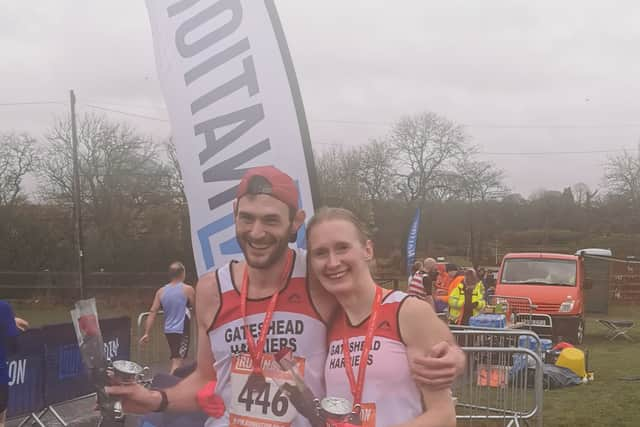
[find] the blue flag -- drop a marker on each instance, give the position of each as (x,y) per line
(412,240)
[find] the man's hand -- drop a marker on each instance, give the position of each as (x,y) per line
(211,403)
(21,324)
(439,369)
(144,339)
(135,398)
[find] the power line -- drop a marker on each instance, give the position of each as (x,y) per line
(147,106)
(549,126)
(544,153)
(337,121)
(334,144)
(351,122)
(509,153)
(126,113)
(493,126)
(14,104)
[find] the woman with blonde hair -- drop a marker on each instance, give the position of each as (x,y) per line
(375,331)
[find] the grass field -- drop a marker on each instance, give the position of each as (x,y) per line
(38,314)
(607,401)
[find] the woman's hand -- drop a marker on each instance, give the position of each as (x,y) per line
(21,324)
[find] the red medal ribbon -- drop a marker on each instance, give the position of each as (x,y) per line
(257,352)
(357,387)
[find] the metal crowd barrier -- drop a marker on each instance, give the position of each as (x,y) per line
(467,336)
(39,417)
(156,351)
(502,386)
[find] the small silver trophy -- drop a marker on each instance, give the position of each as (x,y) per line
(325,412)
(124,372)
(102,371)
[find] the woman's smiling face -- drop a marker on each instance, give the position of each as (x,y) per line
(338,256)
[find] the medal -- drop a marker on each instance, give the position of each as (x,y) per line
(257,382)
(357,386)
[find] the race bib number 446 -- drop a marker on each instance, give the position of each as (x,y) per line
(268,407)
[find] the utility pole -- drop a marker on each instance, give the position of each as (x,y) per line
(77,217)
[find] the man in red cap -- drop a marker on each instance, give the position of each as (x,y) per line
(248,311)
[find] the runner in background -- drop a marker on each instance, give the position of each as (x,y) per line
(175,298)
(374,332)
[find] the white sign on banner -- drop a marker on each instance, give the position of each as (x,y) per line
(234,103)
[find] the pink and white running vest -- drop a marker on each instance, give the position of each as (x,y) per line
(390,396)
(295,324)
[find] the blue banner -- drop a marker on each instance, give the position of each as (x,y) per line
(66,376)
(48,367)
(26,375)
(412,241)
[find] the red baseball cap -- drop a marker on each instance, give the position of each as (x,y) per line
(278,184)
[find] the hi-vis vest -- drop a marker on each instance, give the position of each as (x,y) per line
(457,298)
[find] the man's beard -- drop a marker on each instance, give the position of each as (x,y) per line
(278,250)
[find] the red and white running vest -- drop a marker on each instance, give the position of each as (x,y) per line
(295,324)
(390,396)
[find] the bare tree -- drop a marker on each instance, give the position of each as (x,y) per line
(339,178)
(175,173)
(622,176)
(17,159)
(445,187)
(582,193)
(113,160)
(121,179)
(427,144)
(376,169)
(478,182)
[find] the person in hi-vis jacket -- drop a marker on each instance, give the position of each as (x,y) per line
(461,308)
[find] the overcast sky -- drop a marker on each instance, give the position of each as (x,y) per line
(523,76)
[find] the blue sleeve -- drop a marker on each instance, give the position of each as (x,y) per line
(8,321)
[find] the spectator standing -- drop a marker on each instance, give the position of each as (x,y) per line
(467,299)
(10,327)
(424,280)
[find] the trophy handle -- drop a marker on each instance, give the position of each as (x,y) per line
(142,377)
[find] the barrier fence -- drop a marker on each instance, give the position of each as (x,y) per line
(48,368)
(503,380)
(467,336)
(503,386)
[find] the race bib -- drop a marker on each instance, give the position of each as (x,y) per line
(268,408)
(368,414)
